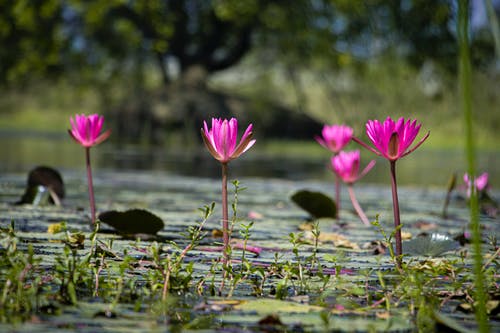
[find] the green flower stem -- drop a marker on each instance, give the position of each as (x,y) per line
(225,218)
(395,208)
(466,104)
(356,205)
(90,184)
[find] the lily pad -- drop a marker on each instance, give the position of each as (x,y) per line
(133,221)
(317,204)
(44,186)
(430,245)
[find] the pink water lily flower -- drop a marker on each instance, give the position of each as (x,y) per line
(335,137)
(86,130)
(346,166)
(221,139)
(391,139)
(481,182)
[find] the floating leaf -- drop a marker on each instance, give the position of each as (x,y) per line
(316,204)
(44,186)
(133,221)
(269,321)
(433,245)
(446,323)
(55,228)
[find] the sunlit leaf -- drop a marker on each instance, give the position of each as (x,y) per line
(269,306)
(331,237)
(433,245)
(55,228)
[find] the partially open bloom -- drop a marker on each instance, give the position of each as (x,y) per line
(221,139)
(391,139)
(335,137)
(86,130)
(481,182)
(346,166)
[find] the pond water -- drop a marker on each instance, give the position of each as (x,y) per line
(173,184)
(347,253)
(425,167)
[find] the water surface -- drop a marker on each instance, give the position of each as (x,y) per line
(425,167)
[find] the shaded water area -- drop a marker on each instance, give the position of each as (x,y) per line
(351,265)
(22,151)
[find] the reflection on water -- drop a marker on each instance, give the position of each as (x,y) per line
(20,153)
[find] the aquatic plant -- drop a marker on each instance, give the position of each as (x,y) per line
(479,184)
(86,131)
(335,138)
(221,141)
(346,166)
(20,278)
(392,140)
(465,93)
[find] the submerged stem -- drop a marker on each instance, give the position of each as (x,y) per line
(90,185)
(395,208)
(356,205)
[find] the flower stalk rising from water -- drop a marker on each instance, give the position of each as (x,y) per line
(86,131)
(392,140)
(221,141)
(335,138)
(346,166)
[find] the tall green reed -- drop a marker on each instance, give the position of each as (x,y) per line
(465,70)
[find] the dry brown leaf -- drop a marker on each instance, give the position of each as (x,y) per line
(383,315)
(216,233)
(55,228)
(376,246)
(425,226)
(306,226)
(338,240)
(217,305)
(406,235)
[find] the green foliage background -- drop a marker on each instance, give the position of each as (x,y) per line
(335,60)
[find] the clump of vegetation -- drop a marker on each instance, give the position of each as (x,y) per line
(170,278)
